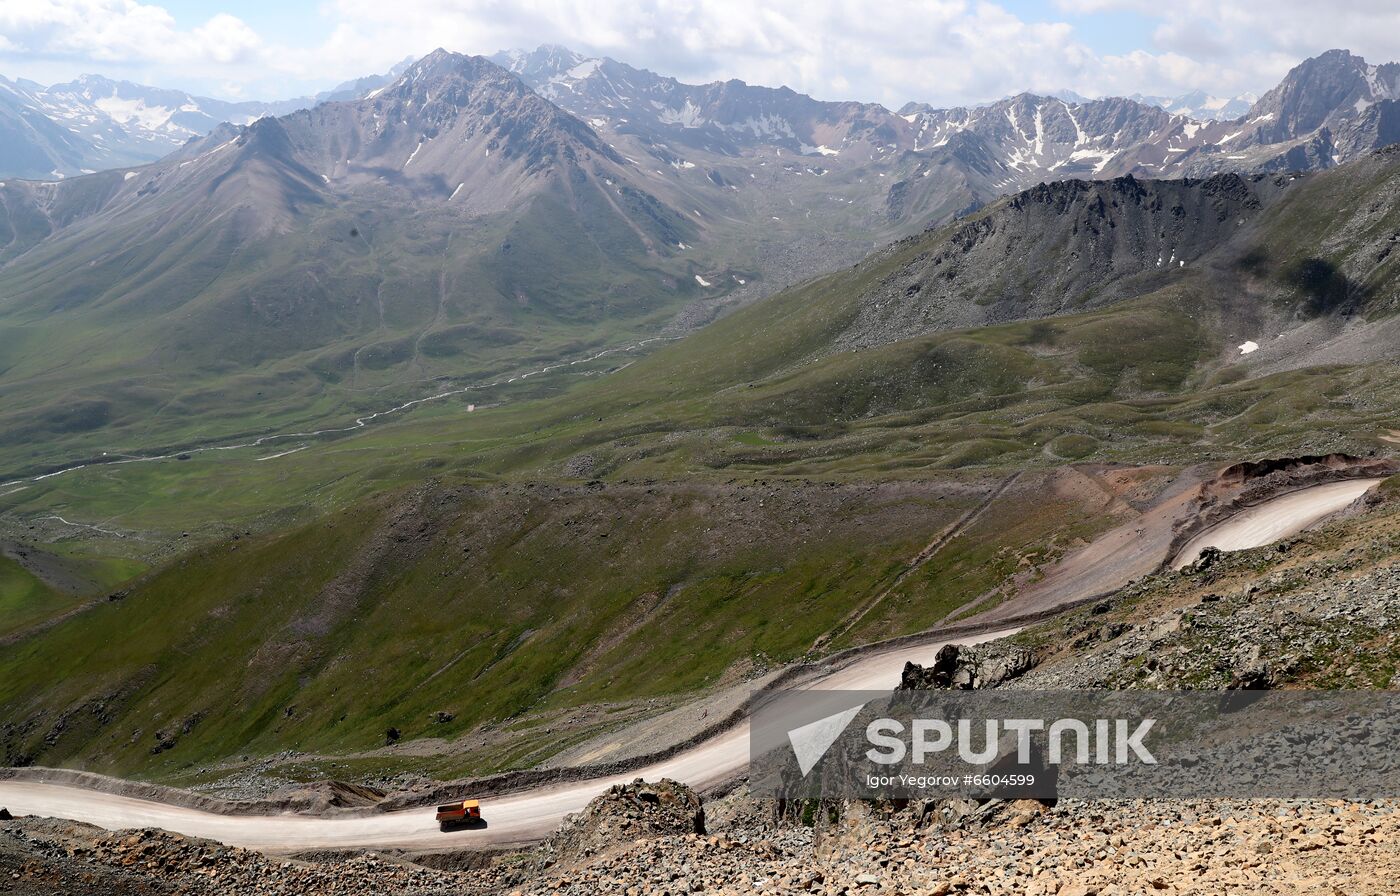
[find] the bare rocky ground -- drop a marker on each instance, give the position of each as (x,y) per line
(627,844)
(1023,848)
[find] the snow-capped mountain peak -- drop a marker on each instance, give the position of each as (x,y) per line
(1201,105)
(94,122)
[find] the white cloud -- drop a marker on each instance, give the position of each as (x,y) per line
(1229,47)
(123,33)
(950,50)
(940,51)
(226,39)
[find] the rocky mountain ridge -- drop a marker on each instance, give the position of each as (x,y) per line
(1326,110)
(1061,247)
(1013,141)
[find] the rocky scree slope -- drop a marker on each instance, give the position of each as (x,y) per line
(1301,263)
(1062,247)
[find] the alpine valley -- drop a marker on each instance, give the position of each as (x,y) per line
(502,423)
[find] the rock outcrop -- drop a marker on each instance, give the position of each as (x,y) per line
(959,667)
(625,813)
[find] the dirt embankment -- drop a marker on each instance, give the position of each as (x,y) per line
(1156,529)
(322,798)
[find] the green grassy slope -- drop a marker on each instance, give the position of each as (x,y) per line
(213,335)
(24,599)
(765,390)
(481,602)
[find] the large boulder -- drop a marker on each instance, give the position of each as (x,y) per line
(958,667)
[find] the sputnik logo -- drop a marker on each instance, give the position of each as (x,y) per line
(811,741)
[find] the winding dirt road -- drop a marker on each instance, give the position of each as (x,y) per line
(1274,519)
(530,815)
(510,819)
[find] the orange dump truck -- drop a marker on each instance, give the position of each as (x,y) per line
(458,814)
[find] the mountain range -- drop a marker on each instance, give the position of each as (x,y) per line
(94,123)
(470,216)
(1331,107)
(452,222)
(1201,105)
(922,165)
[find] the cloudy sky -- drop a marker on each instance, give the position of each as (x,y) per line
(940,51)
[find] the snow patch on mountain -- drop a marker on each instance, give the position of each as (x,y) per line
(687,116)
